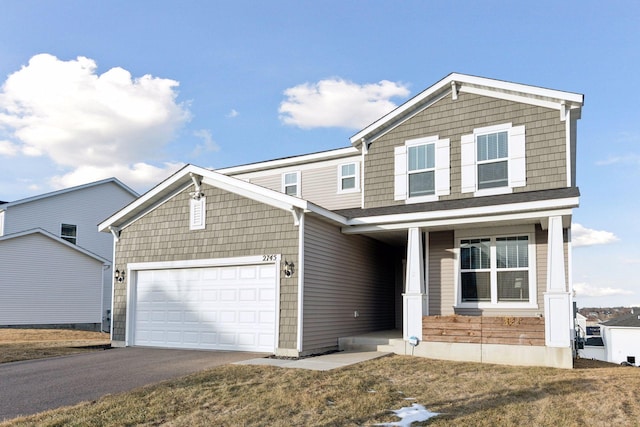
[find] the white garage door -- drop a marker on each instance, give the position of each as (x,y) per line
(221,308)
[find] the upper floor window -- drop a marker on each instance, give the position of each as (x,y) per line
(291,183)
(493,160)
(496,270)
(348,177)
(422,170)
(69,233)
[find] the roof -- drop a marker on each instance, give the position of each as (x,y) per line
(45,233)
(189,175)
(456,83)
(630,320)
(68,190)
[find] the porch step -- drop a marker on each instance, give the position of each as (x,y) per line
(385,341)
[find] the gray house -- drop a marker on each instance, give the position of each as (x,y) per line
(55,267)
(447,220)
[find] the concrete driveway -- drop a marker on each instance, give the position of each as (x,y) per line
(34,386)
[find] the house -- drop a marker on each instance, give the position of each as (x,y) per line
(448,219)
(621,337)
(54,264)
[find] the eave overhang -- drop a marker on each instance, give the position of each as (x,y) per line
(456,83)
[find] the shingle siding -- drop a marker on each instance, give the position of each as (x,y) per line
(236,227)
(545,143)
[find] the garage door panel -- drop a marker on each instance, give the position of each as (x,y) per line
(227,308)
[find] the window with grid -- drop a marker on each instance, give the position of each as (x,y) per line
(494,269)
(493,160)
(421,169)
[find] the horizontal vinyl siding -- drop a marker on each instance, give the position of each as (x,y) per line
(44,282)
(272,182)
(343,274)
(441,273)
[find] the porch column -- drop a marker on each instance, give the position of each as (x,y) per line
(414,297)
(557,300)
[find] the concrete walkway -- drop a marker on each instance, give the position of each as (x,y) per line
(324,362)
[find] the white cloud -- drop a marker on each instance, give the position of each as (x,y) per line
(587,290)
(582,236)
(628,159)
(339,103)
(208,143)
(232,114)
(8,148)
(86,122)
(137,175)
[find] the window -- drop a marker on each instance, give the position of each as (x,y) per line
(493,160)
(348,178)
(69,233)
(496,270)
(291,183)
(421,169)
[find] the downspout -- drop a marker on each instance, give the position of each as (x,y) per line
(300,271)
(365,151)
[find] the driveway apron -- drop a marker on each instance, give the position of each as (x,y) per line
(34,386)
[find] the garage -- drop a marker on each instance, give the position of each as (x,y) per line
(227,307)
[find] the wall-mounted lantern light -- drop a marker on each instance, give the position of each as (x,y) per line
(288,269)
(119,276)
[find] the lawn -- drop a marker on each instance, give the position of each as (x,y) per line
(25,344)
(465,394)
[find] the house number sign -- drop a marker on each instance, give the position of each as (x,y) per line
(269,257)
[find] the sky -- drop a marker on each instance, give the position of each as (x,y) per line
(137,89)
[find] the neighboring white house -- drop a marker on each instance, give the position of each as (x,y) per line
(621,338)
(55,267)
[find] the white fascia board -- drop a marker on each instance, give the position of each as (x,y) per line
(570,202)
(510,97)
(464,81)
(456,222)
(305,158)
(518,87)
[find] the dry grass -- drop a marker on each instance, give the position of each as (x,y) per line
(26,344)
(466,394)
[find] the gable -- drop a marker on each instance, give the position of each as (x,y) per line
(449,119)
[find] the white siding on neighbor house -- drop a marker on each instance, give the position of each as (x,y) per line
(621,342)
(344,274)
(43,281)
(84,208)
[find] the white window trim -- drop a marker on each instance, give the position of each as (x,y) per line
(441,169)
(297,173)
(515,159)
(356,189)
(493,233)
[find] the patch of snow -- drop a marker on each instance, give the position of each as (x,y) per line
(409,415)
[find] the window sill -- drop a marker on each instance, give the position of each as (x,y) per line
(493,191)
(500,305)
(421,199)
(349,191)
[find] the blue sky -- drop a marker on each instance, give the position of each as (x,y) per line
(136,89)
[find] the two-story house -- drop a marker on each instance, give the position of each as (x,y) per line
(55,266)
(448,219)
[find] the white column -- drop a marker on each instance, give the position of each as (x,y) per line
(557,299)
(414,297)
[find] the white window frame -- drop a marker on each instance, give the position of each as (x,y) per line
(441,169)
(297,184)
(493,234)
(415,144)
(356,176)
(516,161)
